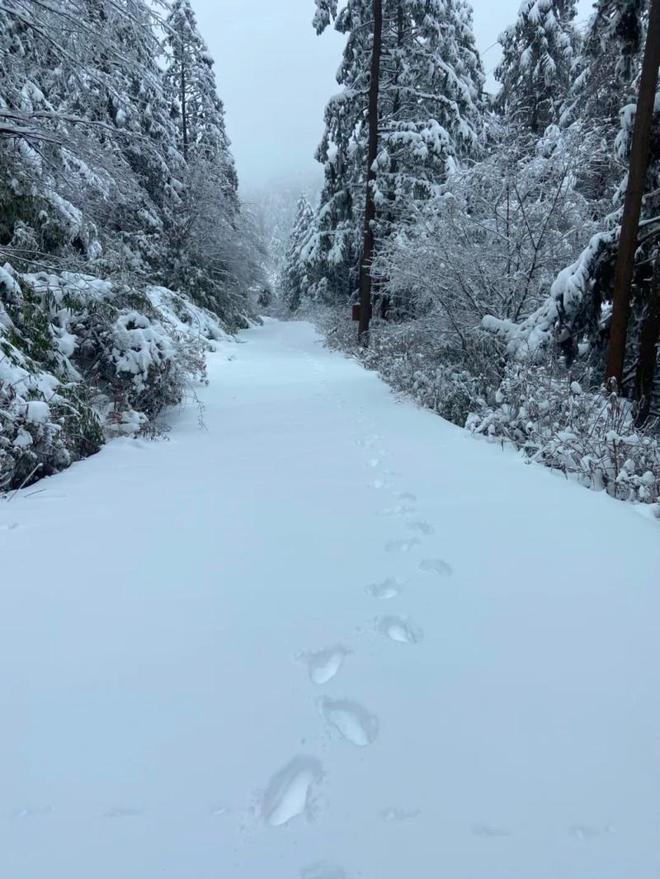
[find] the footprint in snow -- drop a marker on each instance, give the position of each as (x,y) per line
(401,630)
(394,814)
(489,831)
(324,664)
(288,792)
(403,545)
(322,870)
(406,496)
(421,527)
(218,811)
(357,725)
(386,589)
(123,812)
(400,510)
(587,832)
(10,527)
(33,812)
(436,566)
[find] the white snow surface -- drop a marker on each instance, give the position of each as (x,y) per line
(223,656)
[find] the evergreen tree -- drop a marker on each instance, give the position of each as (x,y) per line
(538,56)
(608,63)
(97,154)
(208,225)
(295,278)
(601,109)
(430,116)
(194,101)
(91,165)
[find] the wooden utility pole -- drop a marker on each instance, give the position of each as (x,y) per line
(639,160)
(372,154)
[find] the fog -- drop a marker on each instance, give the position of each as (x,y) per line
(275,76)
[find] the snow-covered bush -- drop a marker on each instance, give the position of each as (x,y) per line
(495,239)
(591,436)
(81,357)
(415,358)
(539,409)
(45,422)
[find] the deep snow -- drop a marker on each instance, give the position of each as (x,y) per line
(327,636)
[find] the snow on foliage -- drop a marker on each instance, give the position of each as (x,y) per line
(586,435)
(538,53)
(556,317)
(496,228)
(82,358)
(430,119)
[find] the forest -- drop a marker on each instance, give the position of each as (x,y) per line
(494,227)
(329,439)
(481,231)
(126,251)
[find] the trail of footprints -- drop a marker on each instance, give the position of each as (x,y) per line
(290,792)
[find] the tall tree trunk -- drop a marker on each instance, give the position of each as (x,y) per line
(639,159)
(372,154)
(648,347)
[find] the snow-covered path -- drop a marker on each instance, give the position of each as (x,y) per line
(327,636)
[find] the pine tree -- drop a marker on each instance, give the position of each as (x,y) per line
(89,95)
(606,67)
(430,116)
(194,101)
(432,101)
(208,226)
(601,107)
(537,60)
(110,77)
(295,279)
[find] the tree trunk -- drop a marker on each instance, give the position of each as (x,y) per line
(372,154)
(639,159)
(648,347)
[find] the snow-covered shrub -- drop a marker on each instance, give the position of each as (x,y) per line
(416,359)
(495,239)
(538,409)
(45,423)
(80,356)
(588,435)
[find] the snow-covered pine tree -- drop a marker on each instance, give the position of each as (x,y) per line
(577,309)
(295,278)
(205,240)
(194,100)
(603,82)
(98,142)
(538,52)
(607,64)
(142,108)
(430,116)
(604,99)
(432,103)
(342,152)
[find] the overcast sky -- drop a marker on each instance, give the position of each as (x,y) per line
(275,76)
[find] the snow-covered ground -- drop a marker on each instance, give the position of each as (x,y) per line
(327,636)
